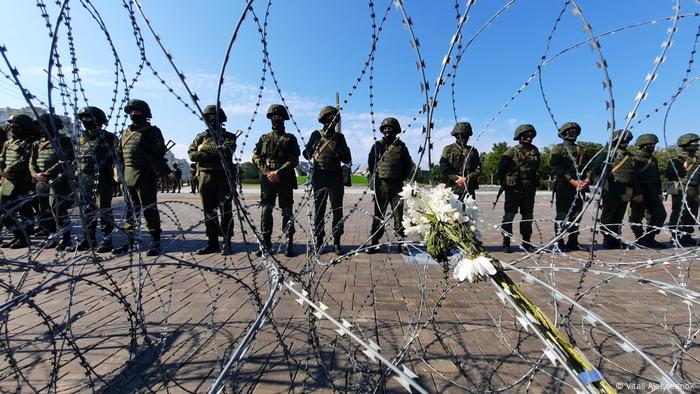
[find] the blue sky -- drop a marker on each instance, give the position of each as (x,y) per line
(319,47)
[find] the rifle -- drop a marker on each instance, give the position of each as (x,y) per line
(498,196)
(551,202)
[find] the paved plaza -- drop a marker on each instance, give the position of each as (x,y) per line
(168,324)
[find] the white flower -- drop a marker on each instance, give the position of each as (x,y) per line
(473,269)
(470,208)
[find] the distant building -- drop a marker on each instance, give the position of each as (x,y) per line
(6,112)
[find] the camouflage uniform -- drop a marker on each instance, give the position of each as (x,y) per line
(54,195)
(649,183)
(390,165)
(194,181)
(177,179)
(277,151)
(518,174)
(461,160)
(97,153)
(214,186)
(15,189)
(328,149)
(568,160)
(683,173)
(142,152)
(618,188)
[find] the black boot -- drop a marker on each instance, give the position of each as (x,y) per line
(266,244)
(126,248)
(226,249)
(83,245)
(373,248)
(212,246)
(154,250)
(506,245)
(319,245)
(336,247)
(105,246)
(289,252)
(527,246)
(573,245)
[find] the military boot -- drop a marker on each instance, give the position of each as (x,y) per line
(289,252)
(336,246)
(611,243)
(226,249)
(83,245)
(649,242)
(319,245)
(126,248)
(527,246)
(373,248)
(266,244)
(687,240)
(154,250)
(573,245)
(105,245)
(212,246)
(65,242)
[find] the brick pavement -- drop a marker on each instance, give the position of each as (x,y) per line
(166,324)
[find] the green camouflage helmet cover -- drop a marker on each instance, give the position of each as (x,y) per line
(325,111)
(462,128)
(391,122)
(687,139)
(45,120)
(24,121)
(646,139)
(522,129)
(139,105)
(570,125)
(617,134)
(211,110)
(277,109)
(93,113)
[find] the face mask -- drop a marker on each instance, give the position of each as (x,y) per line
(277,124)
(138,119)
(89,124)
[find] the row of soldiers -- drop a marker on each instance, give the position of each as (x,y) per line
(36,170)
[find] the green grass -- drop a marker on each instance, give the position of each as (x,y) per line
(357,180)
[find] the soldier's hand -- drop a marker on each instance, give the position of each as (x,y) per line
(461,181)
(638,199)
(574,183)
(3,174)
(40,177)
(273,177)
(200,147)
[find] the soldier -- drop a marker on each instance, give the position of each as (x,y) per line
(277,155)
(570,186)
(518,173)
(389,165)
(17,180)
(50,155)
(647,200)
(619,186)
(177,179)
(460,164)
(683,174)
(194,180)
(142,152)
(212,151)
(327,149)
(97,152)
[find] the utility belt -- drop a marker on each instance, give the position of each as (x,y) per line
(514,180)
(273,165)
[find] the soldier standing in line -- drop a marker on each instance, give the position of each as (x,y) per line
(683,173)
(53,186)
(212,151)
(566,165)
(648,200)
(389,165)
(194,180)
(460,164)
(518,173)
(16,186)
(327,149)
(177,179)
(619,186)
(277,155)
(142,152)
(97,152)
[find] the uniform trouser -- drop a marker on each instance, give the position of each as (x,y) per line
(177,185)
(613,213)
(16,210)
(97,202)
(194,182)
(328,185)
(523,201)
(651,208)
(684,210)
(569,205)
(216,195)
(54,203)
(268,194)
(386,191)
(143,196)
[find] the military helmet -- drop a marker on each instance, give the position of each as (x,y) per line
(391,122)
(93,113)
(646,139)
(325,111)
(687,139)
(570,125)
(212,110)
(462,128)
(624,134)
(45,120)
(139,105)
(24,121)
(522,129)
(277,109)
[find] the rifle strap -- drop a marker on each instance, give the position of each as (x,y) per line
(617,167)
(323,147)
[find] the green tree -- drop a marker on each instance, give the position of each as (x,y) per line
(249,171)
(489,162)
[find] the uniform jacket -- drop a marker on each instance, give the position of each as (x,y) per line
(519,167)
(327,152)
(460,160)
(209,158)
(277,152)
(140,147)
(390,161)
